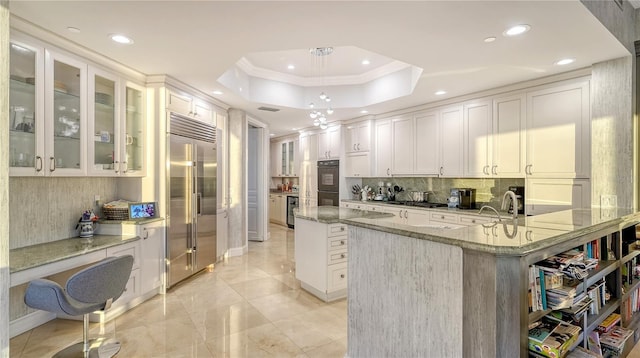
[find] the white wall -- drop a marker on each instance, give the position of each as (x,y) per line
(4,180)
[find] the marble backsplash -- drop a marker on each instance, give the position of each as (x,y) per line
(488,191)
(47,209)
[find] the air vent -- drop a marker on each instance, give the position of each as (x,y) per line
(268,109)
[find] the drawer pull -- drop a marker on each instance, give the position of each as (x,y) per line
(473,221)
(442,217)
(341,275)
(341,242)
(343,256)
(342,228)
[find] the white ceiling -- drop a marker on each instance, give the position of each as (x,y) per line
(197,41)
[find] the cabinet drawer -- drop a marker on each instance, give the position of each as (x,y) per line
(473,220)
(336,229)
(337,256)
(127,249)
(337,243)
(337,277)
(444,218)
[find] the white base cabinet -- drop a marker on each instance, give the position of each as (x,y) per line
(550,195)
(278,209)
(321,258)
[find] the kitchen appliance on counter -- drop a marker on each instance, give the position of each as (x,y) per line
(191,186)
(519,191)
(467,198)
(292,204)
(328,183)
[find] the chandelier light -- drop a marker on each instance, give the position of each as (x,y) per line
(319,115)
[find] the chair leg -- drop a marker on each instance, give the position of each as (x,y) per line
(90,348)
(85,335)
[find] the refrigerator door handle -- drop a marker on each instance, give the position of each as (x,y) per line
(199,204)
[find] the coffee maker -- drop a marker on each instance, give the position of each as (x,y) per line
(519,191)
(467,198)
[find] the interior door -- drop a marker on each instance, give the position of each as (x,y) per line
(180,218)
(252,184)
(205,206)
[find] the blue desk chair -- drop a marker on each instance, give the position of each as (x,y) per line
(91,289)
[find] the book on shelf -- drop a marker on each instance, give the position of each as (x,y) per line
(593,342)
(557,339)
(609,322)
(614,340)
(543,329)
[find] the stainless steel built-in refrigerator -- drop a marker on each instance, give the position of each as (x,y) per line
(191,241)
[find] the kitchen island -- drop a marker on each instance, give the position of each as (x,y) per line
(425,292)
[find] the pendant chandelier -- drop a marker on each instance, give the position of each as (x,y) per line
(320,114)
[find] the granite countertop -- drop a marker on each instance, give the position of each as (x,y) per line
(37,255)
(510,237)
(131,222)
(334,214)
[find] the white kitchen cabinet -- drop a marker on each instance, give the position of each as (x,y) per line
(382,157)
(308,147)
(152,263)
(415,144)
(329,143)
(451,148)
(117,126)
(358,164)
(549,195)
(358,137)
(186,105)
(309,179)
(321,258)
(427,143)
(275,154)
(277,209)
(508,140)
(558,132)
(477,139)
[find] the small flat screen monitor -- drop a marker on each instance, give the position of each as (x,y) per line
(142,210)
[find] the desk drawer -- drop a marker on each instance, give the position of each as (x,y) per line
(126,249)
(337,277)
(337,256)
(336,229)
(444,218)
(338,242)
(473,220)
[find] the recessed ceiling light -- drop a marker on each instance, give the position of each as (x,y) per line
(489,39)
(517,30)
(217,92)
(364,111)
(440,93)
(565,61)
(366,62)
(75,30)
(121,39)
(291,67)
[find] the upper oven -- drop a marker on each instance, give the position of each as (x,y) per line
(328,175)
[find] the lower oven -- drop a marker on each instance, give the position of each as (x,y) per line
(292,204)
(328,198)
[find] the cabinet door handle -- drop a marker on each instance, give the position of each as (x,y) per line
(38,161)
(329,154)
(342,256)
(52,164)
(406,214)
(485,170)
(342,275)
(126,167)
(342,228)
(358,146)
(441,170)
(117,166)
(354,147)
(146,232)
(190,113)
(388,171)
(341,242)
(494,170)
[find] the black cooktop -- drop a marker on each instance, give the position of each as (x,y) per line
(420,204)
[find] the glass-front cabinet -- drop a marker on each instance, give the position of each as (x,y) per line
(26,102)
(103,120)
(65,115)
(70,118)
(134,132)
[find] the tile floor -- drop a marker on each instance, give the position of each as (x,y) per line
(249,306)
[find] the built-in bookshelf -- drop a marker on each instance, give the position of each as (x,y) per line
(594,282)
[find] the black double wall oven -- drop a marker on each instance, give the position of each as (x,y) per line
(328,183)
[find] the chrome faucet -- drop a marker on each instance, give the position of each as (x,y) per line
(492,209)
(514,202)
